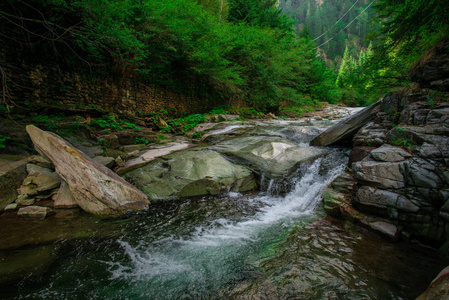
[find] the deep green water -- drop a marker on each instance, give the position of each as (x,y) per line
(253,246)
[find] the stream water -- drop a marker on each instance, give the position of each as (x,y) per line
(232,246)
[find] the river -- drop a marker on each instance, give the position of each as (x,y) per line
(257,245)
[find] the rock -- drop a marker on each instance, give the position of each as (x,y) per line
(191,173)
(40,184)
(35,212)
(96,189)
(112,141)
(438,288)
(88,147)
(370,135)
(108,162)
(345,129)
(134,153)
(272,157)
(388,153)
(385,228)
(10,207)
(381,174)
(10,179)
(35,170)
(119,161)
(41,162)
(435,68)
(337,195)
(64,198)
(25,200)
(379,225)
(358,154)
(220,118)
(150,155)
(423,174)
(382,201)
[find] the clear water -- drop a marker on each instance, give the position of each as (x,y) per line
(234,246)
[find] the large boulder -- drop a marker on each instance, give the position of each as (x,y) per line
(189,173)
(345,129)
(96,189)
(269,156)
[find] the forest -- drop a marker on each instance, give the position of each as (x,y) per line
(273,55)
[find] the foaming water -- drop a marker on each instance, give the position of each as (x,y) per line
(209,253)
(239,246)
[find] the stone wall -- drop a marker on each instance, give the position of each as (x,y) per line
(39,85)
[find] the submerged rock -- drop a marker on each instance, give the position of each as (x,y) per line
(96,189)
(191,173)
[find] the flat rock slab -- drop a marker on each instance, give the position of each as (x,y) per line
(346,128)
(35,212)
(150,155)
(96,188)
(11,207)
(388,153)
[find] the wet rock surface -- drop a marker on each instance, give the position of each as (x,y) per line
(191,173)
(399,164)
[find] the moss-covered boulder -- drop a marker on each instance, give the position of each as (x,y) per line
(189,173)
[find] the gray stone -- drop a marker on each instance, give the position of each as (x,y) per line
(35,170)
(41,162)
(385,228)
(96,188)
(422,174)
(35,212)
(10,207)
(40,184)
(25,200)
(388,153)
(382,174)
(375,197)
(191,173)
(108,162)
(119,161)
(346,128)
(429,151)
(64,198)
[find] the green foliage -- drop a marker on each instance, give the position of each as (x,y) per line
(402,142)
(50,122)
(179,44)
(3,140)
(141,140)
(110,122)
(218,111)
